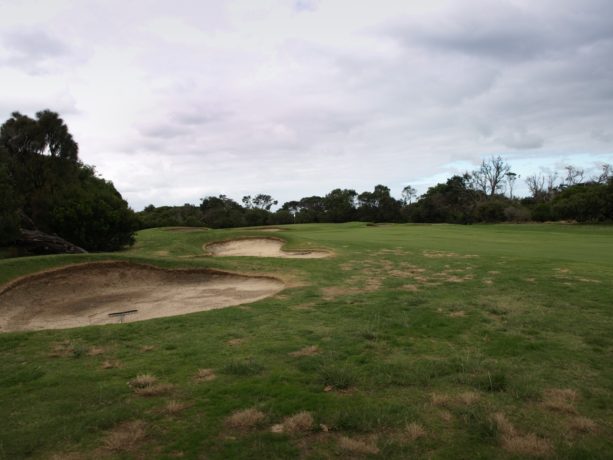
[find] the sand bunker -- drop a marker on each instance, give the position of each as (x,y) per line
(260,247)
(98,293)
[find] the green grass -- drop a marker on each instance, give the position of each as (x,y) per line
(502,313)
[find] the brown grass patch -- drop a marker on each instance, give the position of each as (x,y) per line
(528,445)
(512,441)
(410,287)
(174,407)
(562,400)
(110,364)
(245,419)
(146,348)
(439,399)
(126,436)
(468,397)
(96,351)
(415,431)
(143,381)
(205,375)
(446,415)
(306,351)
(155,390)
(357,446)
(457,314)
(301,422)
(583,425)
(235,342)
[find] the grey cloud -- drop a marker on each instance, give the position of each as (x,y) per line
(32,50)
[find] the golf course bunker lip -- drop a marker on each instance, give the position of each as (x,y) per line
(99,293)
(259,247)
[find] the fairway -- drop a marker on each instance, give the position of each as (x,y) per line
(407,341)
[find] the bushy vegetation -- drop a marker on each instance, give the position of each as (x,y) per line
(484,195)
(44,186)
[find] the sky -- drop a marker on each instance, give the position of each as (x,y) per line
(174,101)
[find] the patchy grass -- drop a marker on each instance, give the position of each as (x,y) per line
(433,327)
(245,419)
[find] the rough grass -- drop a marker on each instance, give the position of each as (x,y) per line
(439,326)
(244,419)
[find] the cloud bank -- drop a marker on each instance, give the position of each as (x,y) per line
(173,102)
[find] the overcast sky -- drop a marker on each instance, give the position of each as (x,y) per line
(175,100)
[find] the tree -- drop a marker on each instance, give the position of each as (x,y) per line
(339,205)
(55,192)
(605,175)
(408,193)
(511,177)
(574,175)
(490,177)
(9,204)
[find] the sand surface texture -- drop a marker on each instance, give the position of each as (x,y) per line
(94,293)
(260,247)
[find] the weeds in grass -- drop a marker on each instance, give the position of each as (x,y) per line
(243,367)
(337,375)
(126,437)
(245,419)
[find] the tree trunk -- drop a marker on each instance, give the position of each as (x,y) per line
(37,242)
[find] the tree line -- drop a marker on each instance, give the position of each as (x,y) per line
(47,193)
(483,195)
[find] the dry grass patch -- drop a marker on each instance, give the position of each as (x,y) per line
(146,348)
(561,400)
(110,364)
(306,351)
(357,446)
(457,314)
(414,431)
(126,436)
(439,399)
(235,342)
(301,422)
(205,375)
(174,407)
(159,389)
(583,425)
(245,419)
(528,445)
(96,351)
(446,415)
(468,397)
(143,381)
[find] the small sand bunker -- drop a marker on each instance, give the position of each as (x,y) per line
(113,292)
(260,247)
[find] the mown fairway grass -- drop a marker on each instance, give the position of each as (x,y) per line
(414,341)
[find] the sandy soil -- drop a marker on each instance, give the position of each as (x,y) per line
(260,247)
(86,294)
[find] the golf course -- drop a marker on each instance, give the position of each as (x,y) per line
(314,341)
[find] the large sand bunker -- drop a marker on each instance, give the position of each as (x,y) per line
(260,247)
(101,293)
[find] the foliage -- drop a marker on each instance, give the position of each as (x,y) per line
(54,191)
